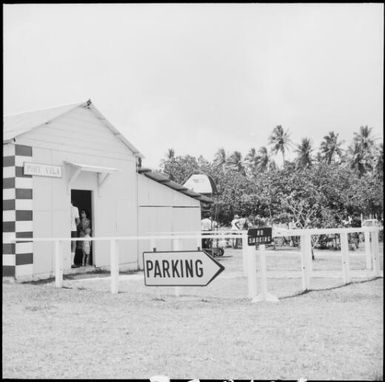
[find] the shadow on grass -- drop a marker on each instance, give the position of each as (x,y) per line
(301,293)
(97,272)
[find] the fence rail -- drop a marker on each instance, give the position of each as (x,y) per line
(248,254)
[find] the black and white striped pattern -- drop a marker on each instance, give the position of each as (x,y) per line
(17,212)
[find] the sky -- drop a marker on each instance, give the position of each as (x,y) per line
(199,77)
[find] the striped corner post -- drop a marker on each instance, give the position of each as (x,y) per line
(17,212)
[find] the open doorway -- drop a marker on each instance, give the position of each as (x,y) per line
(82,199)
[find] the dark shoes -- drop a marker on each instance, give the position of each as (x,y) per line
(74,266)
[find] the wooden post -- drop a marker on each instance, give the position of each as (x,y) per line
(252,272)
(368,253)
(245,251)
(305,263)
(264,295)
(345,257)
(58,265)
(376,255)
(114,266)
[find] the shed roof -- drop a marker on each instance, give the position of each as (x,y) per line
(18,124)
(163,179)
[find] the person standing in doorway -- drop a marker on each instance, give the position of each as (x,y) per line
(86,248)
(74,223)
(82,227)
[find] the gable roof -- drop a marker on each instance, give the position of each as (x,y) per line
(18,124)
(163,179)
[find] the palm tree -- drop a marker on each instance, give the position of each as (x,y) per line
(380,161)
(264,162)
(363,150)
(251,161)
(235,162)
(165,163)
(280,141)
(358,161)
(170,155)
(364,139)
(304,150)
(330,147)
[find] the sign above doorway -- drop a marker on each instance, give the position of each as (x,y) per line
(40,169)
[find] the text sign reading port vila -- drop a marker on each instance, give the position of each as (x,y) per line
(261,235)
(180,268)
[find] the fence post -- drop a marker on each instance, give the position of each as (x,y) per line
(368,253)
(176,246)
(58,265)
(305,241)
(345,257)
(252,272)
(376,256)
(264,295)
(114,266)
(245,250)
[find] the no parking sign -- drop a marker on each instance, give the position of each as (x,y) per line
(263,235)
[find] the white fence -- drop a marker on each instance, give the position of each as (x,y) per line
(249,254)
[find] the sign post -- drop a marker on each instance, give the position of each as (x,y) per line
(264,295)
(180,268)
(259,237)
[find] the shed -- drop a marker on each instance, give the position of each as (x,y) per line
(73,152)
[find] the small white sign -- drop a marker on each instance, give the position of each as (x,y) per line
(39,169)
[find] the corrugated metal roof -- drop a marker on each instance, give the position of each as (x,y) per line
(18,124)
(160,178)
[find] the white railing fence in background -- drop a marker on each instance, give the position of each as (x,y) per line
(249,254)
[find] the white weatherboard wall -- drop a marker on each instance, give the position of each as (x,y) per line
(80,137)
(163,210)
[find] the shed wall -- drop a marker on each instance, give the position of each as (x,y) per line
(81,138)
(162,211)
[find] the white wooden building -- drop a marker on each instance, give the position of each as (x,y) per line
(53,156)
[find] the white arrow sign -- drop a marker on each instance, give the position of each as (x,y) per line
(180,268)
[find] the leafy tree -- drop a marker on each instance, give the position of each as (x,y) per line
(220,159)
(179,168)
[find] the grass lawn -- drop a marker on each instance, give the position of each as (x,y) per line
(83,331)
